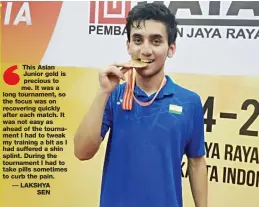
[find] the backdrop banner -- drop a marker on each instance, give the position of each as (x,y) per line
(51,53)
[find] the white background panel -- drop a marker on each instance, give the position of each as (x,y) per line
(72,45)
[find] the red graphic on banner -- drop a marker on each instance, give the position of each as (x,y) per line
(121,7)
(10,77)
(26,29)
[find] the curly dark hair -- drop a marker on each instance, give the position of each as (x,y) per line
(152,11)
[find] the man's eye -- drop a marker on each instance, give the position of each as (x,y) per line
(156,42)
(137,41)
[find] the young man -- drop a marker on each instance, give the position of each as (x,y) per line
(146,143)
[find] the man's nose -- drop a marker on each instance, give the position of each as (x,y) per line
(146,49)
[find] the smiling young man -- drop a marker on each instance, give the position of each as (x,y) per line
(149,135)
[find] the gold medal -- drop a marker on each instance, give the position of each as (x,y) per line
(133,64)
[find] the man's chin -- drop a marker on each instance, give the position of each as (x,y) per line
(147,68)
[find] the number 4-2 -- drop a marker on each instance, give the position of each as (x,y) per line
(208,107)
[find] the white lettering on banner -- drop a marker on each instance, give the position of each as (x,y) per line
(193,32)
(202,25)
(199,17)
(196,20)
(23,15)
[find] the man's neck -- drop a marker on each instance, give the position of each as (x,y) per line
(151,84)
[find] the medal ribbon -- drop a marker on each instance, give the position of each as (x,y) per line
(129,92)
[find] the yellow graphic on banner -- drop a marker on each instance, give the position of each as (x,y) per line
(42,106)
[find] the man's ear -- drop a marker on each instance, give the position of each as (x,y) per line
(128,47)
(171,50)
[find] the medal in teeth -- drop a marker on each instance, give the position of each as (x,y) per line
(147,61)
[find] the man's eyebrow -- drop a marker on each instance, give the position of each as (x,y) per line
(136,35)
(152,35)
(157,36)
